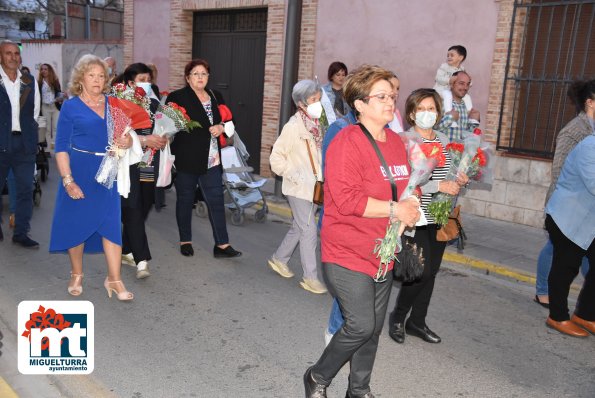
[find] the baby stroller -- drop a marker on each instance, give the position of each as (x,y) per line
(37,189)
(42,162)
(241,189)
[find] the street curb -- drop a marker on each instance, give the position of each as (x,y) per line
(5,390)
(489,267)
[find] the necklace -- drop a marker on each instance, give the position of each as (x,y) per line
(90,102)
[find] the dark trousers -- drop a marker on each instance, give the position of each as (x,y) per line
(363,303)
(565,266)
(416,296)
(211,187)
(134,236)
(23,167)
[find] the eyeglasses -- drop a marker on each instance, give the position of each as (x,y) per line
(384,98)
(197,74)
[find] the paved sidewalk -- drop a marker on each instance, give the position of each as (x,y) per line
(497,247)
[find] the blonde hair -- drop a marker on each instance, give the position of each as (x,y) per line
(359,83)
(83,65)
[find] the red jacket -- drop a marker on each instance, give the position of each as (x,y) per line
(353,173)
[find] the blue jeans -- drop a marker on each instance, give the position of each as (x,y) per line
(544,264)
(335,321)
(211,186)
(23,166)
(12,192)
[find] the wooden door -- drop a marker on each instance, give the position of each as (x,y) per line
(233,42)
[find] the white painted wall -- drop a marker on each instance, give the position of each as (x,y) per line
(35,54)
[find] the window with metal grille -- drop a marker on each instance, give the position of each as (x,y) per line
(27,24)
(251,20)
(551,45)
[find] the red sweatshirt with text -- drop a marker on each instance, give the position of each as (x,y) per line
(352,173)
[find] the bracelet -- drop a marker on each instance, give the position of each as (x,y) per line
(67,180)
(391,209)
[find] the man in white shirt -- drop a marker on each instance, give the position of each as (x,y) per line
(19,109)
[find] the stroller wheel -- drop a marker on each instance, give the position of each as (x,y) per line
(201,209)
(37,198)
(237,218)
(260,216)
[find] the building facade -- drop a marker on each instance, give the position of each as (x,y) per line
(244,42)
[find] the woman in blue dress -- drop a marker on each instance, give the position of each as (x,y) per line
(87,214)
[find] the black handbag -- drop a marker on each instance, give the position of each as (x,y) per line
(409,265)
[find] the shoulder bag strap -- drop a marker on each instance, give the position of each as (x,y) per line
(393,185)
(311,161)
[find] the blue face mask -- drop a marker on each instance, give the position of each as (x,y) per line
(109,71)
(147,87)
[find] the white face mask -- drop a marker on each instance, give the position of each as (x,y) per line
(426,119)
(145,86)
(314,110)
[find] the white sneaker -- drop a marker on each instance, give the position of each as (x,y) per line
(327,337)
(313,285)
(280,268)
(142,270)
(128,259)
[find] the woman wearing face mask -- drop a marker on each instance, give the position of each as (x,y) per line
(135,208)
(296,157)
(198,159)
(423,110)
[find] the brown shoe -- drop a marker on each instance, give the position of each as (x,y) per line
(587,325)
(566,327)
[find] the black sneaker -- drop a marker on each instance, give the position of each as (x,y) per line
(25,241)
(227,252)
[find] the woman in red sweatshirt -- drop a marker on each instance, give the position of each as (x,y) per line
(357,209)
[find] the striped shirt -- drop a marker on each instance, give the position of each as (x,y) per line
(438,174)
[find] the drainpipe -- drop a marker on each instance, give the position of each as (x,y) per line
(290,67)
(87,22)
(66,23)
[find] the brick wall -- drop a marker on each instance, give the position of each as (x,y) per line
(128,35)
(520,184)
(181,51)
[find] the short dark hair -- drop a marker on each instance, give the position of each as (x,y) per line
(336,67)
(460,49)
(132,71)
(580,91)
(194,63)
(418,96)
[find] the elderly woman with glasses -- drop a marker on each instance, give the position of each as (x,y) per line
(296,157)
(358,206)
(198,159)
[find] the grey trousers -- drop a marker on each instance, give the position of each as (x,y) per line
(304,232)
(363,303)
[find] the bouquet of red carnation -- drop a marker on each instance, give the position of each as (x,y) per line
(121,118)
(466,157)
(171,118)
(423,158)
(131,93)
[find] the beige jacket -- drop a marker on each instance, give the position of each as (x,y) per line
(290,160)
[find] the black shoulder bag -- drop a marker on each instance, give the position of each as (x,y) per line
(410,262)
